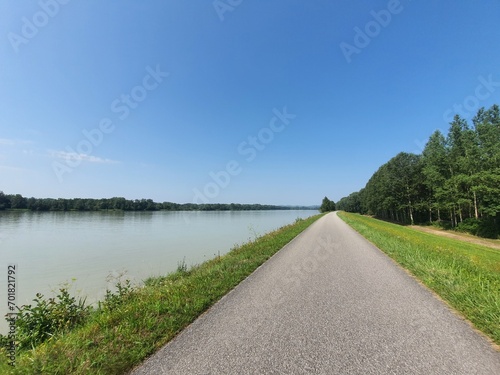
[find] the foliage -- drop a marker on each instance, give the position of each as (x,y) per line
(351,203)
(37,323)
(456,178)
(17,201)
(327,205)
(113,300)
(4,201)
(484,227)
(182,266)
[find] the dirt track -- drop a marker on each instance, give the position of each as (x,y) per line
(494,244)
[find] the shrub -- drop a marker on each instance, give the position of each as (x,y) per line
(48,317)
(114,300)
(485,227)
(469,225)
(488,228)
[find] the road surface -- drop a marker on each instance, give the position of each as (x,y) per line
(327,303)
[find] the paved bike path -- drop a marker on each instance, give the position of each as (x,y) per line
(328,303)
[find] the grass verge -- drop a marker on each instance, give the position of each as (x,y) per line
(113,341)
(465,275)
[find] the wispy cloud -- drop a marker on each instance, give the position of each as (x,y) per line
(73,156)
(7,142)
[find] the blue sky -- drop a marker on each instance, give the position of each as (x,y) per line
(273,102)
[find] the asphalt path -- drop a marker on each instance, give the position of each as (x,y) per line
(328,303)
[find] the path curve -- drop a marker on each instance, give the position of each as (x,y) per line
(328,303)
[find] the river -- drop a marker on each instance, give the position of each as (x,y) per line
(91,251)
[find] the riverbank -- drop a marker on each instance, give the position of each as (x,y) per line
(113,340)
(465,275)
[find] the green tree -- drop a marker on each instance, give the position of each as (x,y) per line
(327,205)
(456,176)
(436,171)
(4,201)
(351,203)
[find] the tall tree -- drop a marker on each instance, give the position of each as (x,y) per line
(436,171)
(327,205)
(4,201)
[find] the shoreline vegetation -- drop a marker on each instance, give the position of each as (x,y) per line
(63,336)
(18,202)
(465,275)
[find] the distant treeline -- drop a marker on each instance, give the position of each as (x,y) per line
(17,201)
(456,180)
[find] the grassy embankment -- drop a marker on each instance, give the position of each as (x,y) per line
(465,275)
(114,340)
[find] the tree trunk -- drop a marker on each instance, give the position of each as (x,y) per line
(476,213)
(455,216)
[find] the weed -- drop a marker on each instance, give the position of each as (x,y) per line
(182,267)
(37,323)
(113,300)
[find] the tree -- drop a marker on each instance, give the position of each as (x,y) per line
(327,205)
(396,189)
(436,171)
(18,201)
(457,176)
(351,203)
(4,201)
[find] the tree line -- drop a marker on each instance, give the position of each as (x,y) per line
(17,201)
(455,181)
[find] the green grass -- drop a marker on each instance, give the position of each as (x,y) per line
(465,275)
(113,341)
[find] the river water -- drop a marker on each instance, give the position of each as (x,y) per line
(91,251)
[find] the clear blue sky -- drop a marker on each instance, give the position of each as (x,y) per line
(101,67)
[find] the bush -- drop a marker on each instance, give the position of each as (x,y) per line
(442,224)
(115,300)
(485,227)
(488,228)
(469,225)
(48,317)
